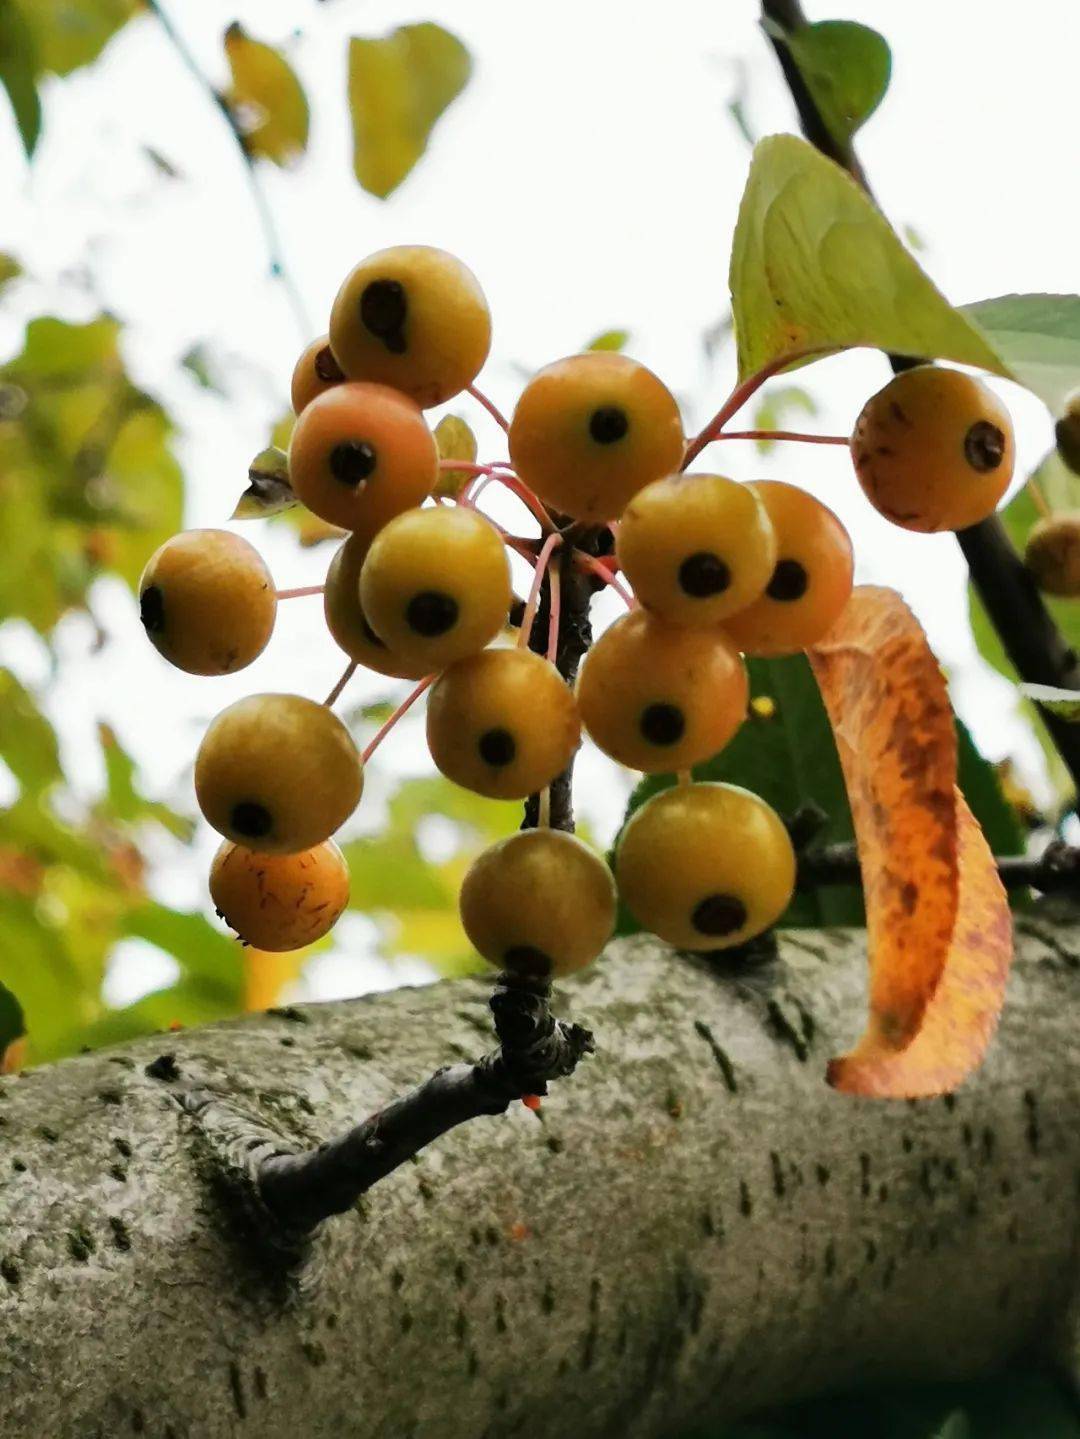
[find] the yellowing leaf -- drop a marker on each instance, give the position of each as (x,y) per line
(267,974)
(455,441)
(399,86)
(962,1014)
(815,267)
(268,491)
(266,98)
(929,879)
(71,33)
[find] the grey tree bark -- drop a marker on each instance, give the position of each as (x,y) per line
(696,1227)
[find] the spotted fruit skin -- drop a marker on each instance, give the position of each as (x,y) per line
(934,450)
(811,581)
(705,866)
(207,602)
(592,430)
(659,697)
(696,548)
(277,773)
(413,317)
(279,902)
(502,723)
(540,904)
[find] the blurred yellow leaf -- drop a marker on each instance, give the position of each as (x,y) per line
(266,975)
(398,88)
(266,99)
(455,441)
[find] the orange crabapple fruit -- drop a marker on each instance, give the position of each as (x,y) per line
(277,773)
(539,904)
(592,430)
(361,454)
(502,723)
(660,697)
(316,371)
(934,450)
(1052,554)
(705,866)
(413,317)
(207,602)
(279,902)
(810,583)
(696,548)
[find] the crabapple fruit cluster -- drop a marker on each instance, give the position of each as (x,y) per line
(711,570)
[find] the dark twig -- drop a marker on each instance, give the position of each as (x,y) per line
(1055,871)
(1032,641)
(301,1190)
(575,637)
(278,268)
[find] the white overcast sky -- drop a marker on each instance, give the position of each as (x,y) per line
(590,175)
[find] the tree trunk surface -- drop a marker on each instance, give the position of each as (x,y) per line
(695,1227)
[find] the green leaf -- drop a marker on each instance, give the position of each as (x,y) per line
(123,800)
(267,99)
(269,491)
(18,73)
(28,744)
(87,478)
(12,1025)
(204,953)
(815,267)
(399,86)
(774,408)
(10,269)
(785,752)
(610,340)
(846,68)
(981,787)
(201,366)
(1064,703)
(1038,336)
(71,33)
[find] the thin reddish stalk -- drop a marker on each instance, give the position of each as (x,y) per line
(542,560)
(300,592)
(798,436)
(527,498)
(492,409)
(403,708)
(350,670)
(554,606)
(733,404)
(601,571)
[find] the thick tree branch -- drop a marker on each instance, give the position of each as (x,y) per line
(1032,641)
(696,1228)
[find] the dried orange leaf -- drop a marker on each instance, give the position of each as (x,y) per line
(889,708)
(961,1017)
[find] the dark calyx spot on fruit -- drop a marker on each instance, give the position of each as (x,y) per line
(719,914)
(152,609)
(352,462)
(527,959)
(251,819)
(662,723)
(431,613)
(383,309)
(327,368)
(608,424)
(497,747)
(789,581)
(984,446)
(703,574)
